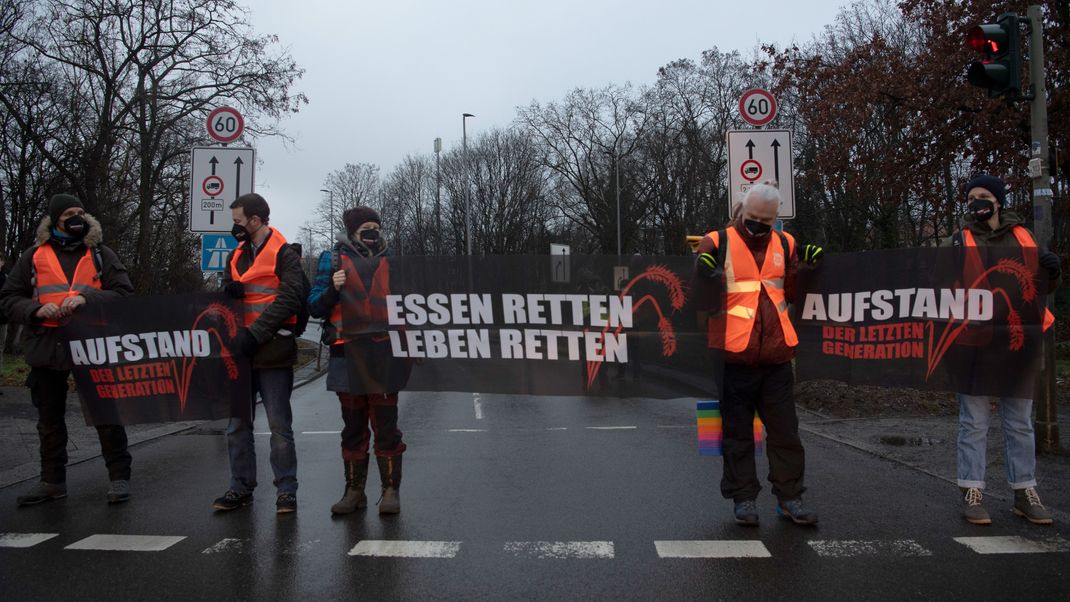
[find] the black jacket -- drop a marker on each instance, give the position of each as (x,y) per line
(43,347)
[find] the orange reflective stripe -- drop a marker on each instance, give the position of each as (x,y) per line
(260,280)
(52,285)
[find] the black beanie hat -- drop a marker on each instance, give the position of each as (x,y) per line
(991,184)
(354,217)
(60,203)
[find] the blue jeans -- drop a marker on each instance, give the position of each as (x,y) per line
(1019,447)
(274,386)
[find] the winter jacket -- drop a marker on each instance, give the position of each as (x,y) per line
(1002,236)
(275,350)
(323,296)
(42,346)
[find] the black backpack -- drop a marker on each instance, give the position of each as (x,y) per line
(306,288)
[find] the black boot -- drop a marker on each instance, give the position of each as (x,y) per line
(390,474)
(353,499)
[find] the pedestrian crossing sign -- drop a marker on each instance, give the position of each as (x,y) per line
(214,251)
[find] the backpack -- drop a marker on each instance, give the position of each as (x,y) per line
(306,288)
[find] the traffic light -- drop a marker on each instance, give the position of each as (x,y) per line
(1000,69)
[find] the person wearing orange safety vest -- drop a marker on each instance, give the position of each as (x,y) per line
(988,224)
(357,264)
(66,268)
(753,328)
(265,273)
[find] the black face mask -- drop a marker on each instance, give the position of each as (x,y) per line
(239,232)
(756,228)
(981,209)
(370,238)
(76,226)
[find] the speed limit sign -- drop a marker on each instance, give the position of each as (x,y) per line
(225,124)
(757,106)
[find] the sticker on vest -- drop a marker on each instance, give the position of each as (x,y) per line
(778,259)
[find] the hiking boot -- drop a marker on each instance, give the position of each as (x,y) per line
(794,511)
(1027,504)
(286,503)
(972,510)
(746,513)
(353,498)
(118,491)
(42,492)
(390,475)
(232,500)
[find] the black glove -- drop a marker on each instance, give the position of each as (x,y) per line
(812,254)
(1051,262)
(235,290)
(247,342)
(707,265)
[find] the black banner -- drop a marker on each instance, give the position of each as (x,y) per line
(159,359)
(957,319)
(537,325)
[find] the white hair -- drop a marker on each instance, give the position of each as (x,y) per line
(766,192)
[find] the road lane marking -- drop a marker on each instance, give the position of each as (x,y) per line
(126,543)
(1012,544)
(229,544)
(466,431)
(406,549)
(558,428)
(560,549)
(847,548)
(478,406)
(712,549)
(610,428)
(24,540)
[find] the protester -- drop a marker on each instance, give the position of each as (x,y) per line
(265,272)
(758,340)
(988,224)
(66,268)
(357,263)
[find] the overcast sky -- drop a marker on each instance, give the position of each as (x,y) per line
(385,78)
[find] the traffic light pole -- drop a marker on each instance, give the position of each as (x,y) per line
(1047,427)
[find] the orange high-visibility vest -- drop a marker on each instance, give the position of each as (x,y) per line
(371,307)
(744,285)
(260,280)
(973,259)
(50,283)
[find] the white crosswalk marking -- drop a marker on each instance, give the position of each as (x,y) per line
(712,549)
(229,544)
(126,543)
(560,549)
(24,540)
(406,549)
(848,548)
(1012,544)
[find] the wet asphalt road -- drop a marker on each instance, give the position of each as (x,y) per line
(493,474)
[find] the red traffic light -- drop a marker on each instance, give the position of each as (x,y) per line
(989,39)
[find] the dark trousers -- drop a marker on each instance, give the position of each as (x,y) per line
(380,410)
(769,391)
(48,391)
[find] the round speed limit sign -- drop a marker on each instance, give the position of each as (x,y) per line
(757,106)
(225,124)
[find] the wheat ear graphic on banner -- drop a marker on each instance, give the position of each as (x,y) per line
(665,277)
(230,323)
(1029,293)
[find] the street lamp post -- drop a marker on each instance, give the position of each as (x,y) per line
(438,197)
(330,225)
(616,185)
(467,195)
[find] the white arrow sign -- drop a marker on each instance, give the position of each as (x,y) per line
(219,175)
(758,155)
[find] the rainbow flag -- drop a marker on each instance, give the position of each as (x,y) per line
(711,432)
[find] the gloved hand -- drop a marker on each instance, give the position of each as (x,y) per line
(1051,262)
(812,254)
(707,264)
(234,289)
(247,343)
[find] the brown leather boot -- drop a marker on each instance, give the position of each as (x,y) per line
(390,474)
(353,499)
